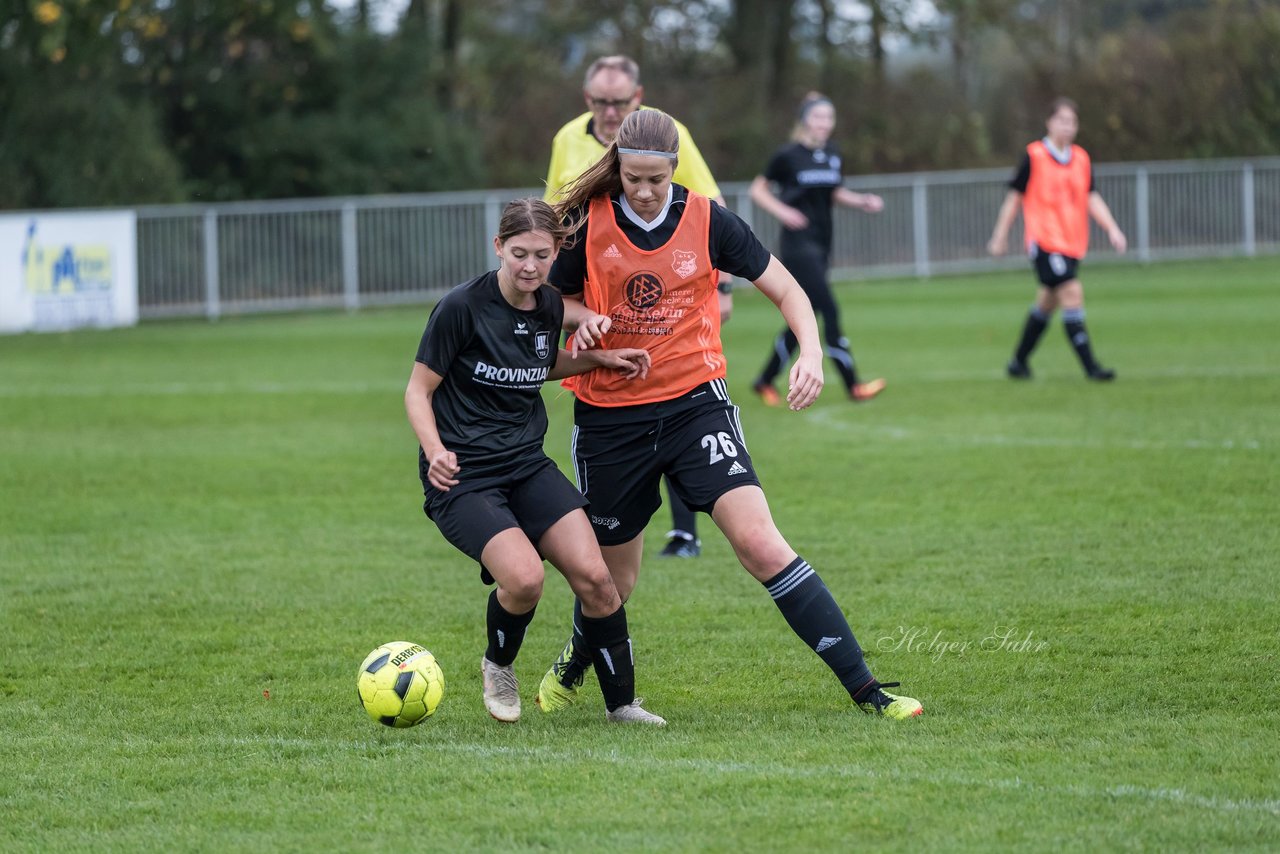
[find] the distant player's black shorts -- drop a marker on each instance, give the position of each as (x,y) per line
(1053,268)
(621,453)
(473,512)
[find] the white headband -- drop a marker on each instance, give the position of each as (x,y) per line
(671,155)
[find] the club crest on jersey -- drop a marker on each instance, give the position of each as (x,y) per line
(644,290)
(542,344)
(684,263)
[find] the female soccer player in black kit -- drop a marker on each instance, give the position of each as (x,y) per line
(642,270)
(475,404)
(807,174)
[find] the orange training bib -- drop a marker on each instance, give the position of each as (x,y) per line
(661,300)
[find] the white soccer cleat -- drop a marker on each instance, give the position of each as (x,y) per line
(633,714)
(501,691)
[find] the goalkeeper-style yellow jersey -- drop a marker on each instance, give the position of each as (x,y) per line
(575,149)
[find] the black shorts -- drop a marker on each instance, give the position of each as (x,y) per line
(621,453)
(473,512)
(1053,268)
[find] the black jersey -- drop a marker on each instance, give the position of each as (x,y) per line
(733,247)
(494,359)
(807,178)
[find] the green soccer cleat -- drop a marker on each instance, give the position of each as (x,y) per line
(553,695)
(888,705)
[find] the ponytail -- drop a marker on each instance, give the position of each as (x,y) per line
(642,130)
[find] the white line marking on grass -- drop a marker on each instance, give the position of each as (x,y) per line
(832,419)
(551,755)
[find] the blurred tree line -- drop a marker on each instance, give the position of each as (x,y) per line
(107,102)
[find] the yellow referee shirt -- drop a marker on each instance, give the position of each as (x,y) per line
(574,150)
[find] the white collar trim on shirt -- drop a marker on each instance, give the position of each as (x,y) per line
(1063,156)
(636,218)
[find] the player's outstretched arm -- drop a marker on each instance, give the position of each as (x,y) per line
(780,286)
(866,202)
(588,328)
(631,362)
(764,198)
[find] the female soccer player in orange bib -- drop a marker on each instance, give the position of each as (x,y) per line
(1054,188)
(643,272)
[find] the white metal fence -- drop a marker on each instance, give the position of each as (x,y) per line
(350,252)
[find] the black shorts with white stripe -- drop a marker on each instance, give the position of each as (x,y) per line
(1053,268)
(621,453)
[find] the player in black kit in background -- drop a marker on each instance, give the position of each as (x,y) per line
(475,404)
(807,174)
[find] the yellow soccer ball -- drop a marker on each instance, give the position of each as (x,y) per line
(400,684)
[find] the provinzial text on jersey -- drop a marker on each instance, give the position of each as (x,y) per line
(493,373)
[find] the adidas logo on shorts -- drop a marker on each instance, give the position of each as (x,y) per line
(612,251)
(737,468)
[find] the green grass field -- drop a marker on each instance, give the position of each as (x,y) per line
(204,528)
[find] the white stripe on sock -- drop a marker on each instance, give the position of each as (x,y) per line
(791,582)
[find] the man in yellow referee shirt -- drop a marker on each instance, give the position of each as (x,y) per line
(612,90)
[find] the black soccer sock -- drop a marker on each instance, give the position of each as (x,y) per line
(1036,323)
(1073,323)
(610,645)
(506,631)
(813,614)
(842,357)
(580,659)
(783,346)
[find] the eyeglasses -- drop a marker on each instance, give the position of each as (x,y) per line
(605,103)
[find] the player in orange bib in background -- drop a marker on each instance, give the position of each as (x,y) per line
(641,272)
(1054,187)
